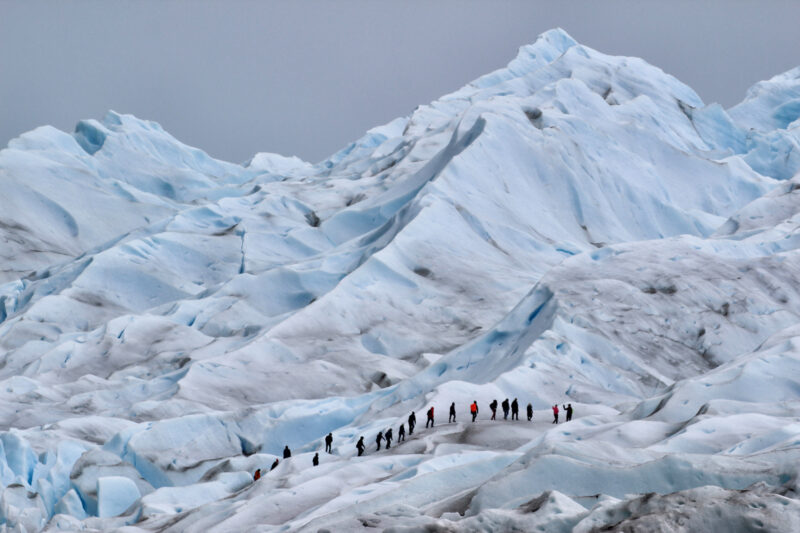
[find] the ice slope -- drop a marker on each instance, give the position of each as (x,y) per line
(66,194)
(574,228)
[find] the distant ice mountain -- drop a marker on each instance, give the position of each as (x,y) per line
(573,228)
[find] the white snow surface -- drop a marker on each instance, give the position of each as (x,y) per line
(573,228)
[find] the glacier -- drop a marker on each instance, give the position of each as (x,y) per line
(573,228)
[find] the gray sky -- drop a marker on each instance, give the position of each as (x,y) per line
(306,77)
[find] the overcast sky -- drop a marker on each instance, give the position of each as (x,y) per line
(306,77)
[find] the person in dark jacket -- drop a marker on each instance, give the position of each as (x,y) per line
(555,414)
(378,440)
(315,460)
(360,446)
(530,412)
(493,407)
(514,410)
(329,442)
(452,417)
(274,465)
(473,410)
(388,438)
(412,421)
(286,452)
(430,417)
(401,433)
(568,409)
(505,409)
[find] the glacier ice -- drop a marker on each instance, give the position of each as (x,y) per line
(572,228)
(114,495)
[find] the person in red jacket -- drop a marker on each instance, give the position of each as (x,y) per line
(430,417)
(474,410)
(555,414)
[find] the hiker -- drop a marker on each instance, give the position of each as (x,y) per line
(378,440)
(530,412)
(257,475)
(388,438)
(430,418)
(286,452)
(275,464)
(505,409)
(493,407)
(360,446)
(315,460)
(568,409)
(514,410)
(412,421)
(328,442)
(401,433)
(452,417)
(473,409)
(555,414)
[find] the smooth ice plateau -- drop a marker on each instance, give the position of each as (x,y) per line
(573,228)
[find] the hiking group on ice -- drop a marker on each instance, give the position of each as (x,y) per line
(387,436)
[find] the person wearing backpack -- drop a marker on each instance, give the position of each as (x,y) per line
(493,407)
(505,409)
(430,417)
(514,410)
(388,437)
(360,446)
(530,412)
(473,409)
(412,421)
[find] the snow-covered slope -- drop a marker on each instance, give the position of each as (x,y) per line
(572,228)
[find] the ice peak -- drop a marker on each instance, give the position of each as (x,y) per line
(117,121)
(557,38)
(547,47)
(771,104)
